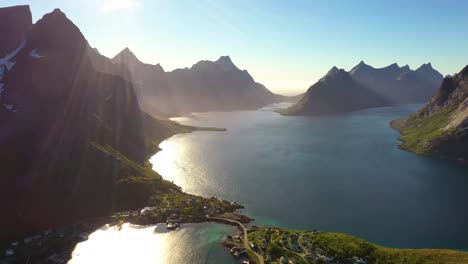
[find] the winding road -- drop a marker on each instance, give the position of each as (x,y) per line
(246,239)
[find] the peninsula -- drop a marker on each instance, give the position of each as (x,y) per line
(277,245)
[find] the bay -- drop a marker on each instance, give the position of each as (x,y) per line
(341,173)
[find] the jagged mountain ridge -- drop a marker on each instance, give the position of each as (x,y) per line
(365,86)
(206,86)
(336,92)
(401,85)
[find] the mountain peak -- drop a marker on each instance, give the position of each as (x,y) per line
(126,56)
(334,72)
(54,15)
(54,31)
(426,66)
(225,60)
(361,66)
(226,63)
(58,12)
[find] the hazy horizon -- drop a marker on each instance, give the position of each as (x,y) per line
(283,46)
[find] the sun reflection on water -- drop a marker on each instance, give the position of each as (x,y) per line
(166,163)
(131,244)
(192,243)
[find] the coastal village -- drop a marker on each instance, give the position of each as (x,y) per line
(272,245)
(55,245)
(281,246)
(254,244)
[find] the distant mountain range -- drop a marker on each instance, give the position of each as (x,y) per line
(336,92)
(401,85)
(364,86)
(68,132)
(440,128)
(206,86)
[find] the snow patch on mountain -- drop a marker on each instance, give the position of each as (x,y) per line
(2,70)
(6,60)
(7,65)
(34,53)
(9,107)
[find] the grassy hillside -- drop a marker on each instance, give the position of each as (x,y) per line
(440,129)
(419,133)
(320,247)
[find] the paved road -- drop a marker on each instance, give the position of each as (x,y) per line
(246,239)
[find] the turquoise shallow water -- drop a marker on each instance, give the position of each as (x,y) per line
(339,173)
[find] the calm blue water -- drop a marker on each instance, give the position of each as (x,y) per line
(336,173)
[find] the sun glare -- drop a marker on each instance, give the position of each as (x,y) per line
(109,5)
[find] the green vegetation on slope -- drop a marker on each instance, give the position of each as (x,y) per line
(323,247)
(419,132)
(440,128)
(136,183)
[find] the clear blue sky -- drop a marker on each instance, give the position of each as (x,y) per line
(286,45)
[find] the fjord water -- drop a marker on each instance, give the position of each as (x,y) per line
(193,243)
(340,173)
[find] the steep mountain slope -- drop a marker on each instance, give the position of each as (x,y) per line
(401,85)
(206,86)
(103,64)
(336,92)
(440,129)
(150,81)
(68,132)
(14,23)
